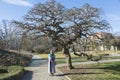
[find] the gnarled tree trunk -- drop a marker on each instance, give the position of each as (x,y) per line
(68,58)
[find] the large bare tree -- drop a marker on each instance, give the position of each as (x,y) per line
(62,25)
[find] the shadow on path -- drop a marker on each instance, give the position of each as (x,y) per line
(36,62)
(27,75)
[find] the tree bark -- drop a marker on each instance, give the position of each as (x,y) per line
(68,58)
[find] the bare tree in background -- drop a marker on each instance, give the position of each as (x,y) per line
(5,34)
(62,25)
(8,35)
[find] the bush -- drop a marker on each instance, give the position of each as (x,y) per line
(11,58)
(41,49)
(26,60)
(15,73)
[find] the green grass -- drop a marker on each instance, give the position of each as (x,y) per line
(111,57)
(103,71)
(57,54)
(13,72)
(60,58)
(77,59)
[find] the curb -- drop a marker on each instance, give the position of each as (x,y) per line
(67,77)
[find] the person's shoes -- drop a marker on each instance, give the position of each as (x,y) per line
(51,74)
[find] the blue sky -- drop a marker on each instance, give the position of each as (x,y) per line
(16,9)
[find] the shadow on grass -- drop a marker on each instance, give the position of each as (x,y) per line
(86,73)
(115,67)
(90,68)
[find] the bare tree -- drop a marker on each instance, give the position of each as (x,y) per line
(8,35)
(62,25)
(5,33)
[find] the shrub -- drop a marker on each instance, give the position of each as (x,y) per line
(41,49)
(11,58)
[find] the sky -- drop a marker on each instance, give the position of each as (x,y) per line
(16,9)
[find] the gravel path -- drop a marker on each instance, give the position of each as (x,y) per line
(38,70)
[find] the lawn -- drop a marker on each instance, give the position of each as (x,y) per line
(14,73)
(57,54)
(60,58)
(102,71)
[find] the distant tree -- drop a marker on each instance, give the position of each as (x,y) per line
(6,31)
(62,25)
(4,34)
(9,35)
(24,41)
(116,40)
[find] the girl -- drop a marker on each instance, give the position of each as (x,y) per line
(51,63)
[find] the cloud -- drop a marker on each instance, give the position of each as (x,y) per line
(18,2)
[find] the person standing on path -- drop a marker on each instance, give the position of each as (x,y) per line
(51,63)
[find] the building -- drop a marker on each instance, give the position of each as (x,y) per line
(103,41)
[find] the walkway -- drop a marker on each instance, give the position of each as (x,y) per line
(38,70)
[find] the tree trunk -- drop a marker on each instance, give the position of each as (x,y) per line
(68,58)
